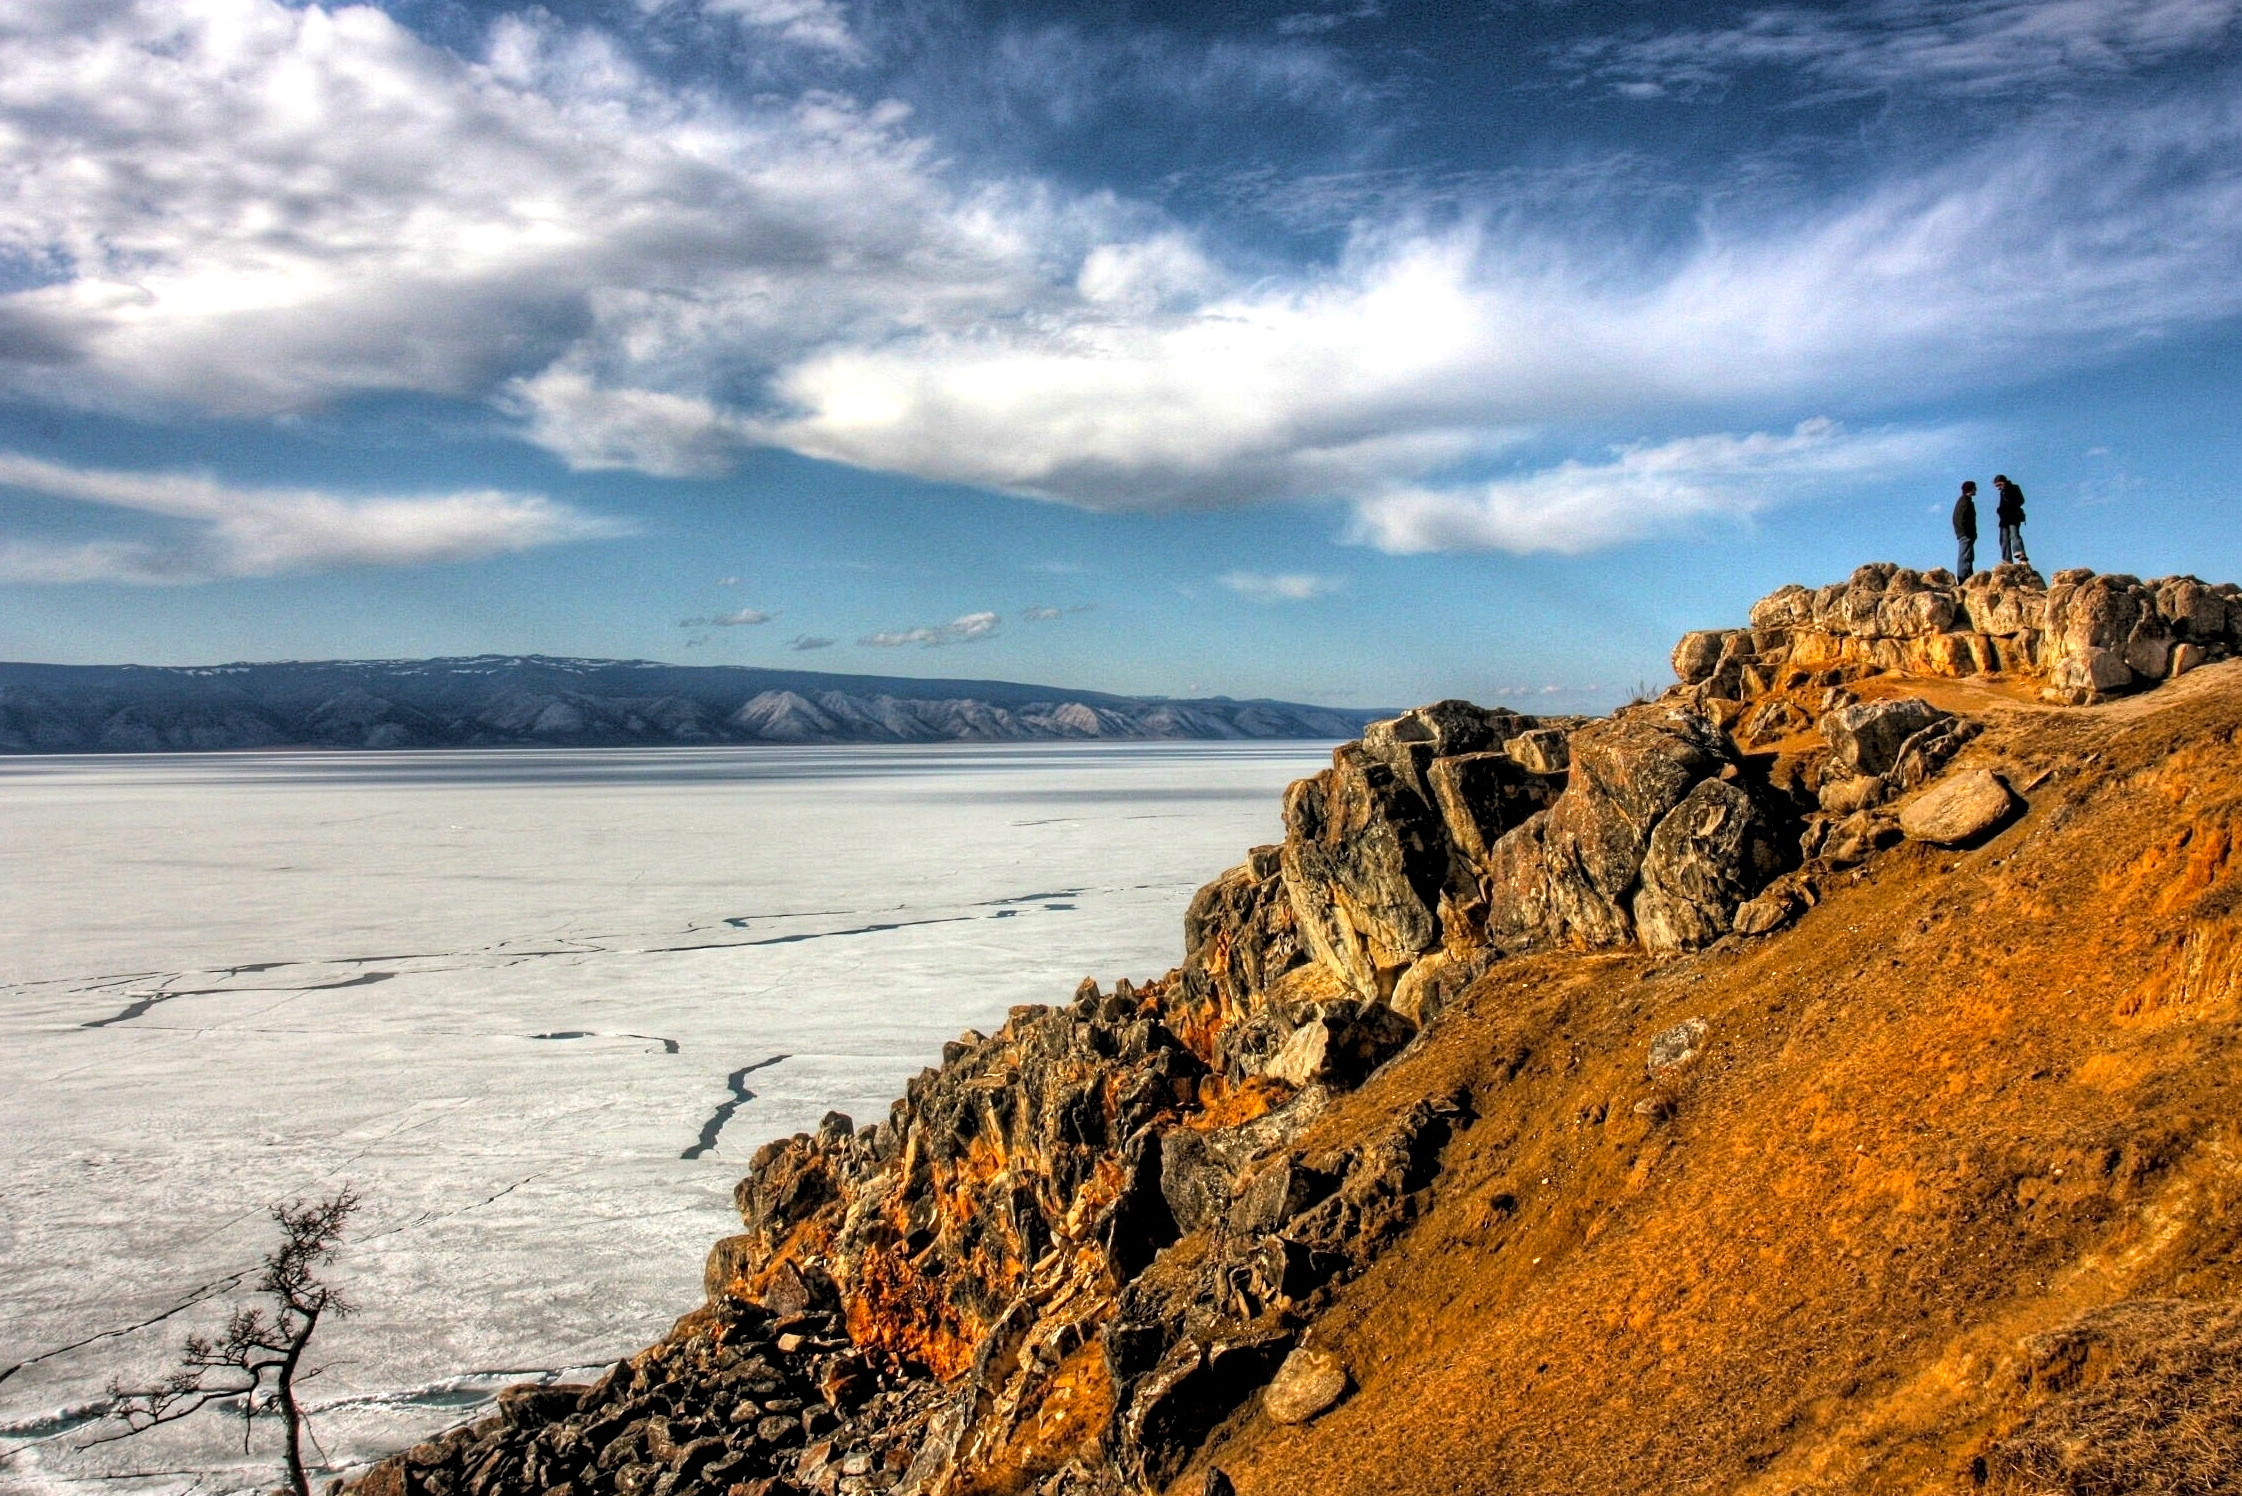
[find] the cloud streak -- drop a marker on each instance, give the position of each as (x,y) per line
(1956,47)
(222,531)
(743,618)
(969,629)
(1641,491)
(1283,587)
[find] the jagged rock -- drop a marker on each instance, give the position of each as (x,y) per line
(1277,1193)
(1568,876)
(1240,934)
(1433,982)
(1308,1383)
(1958,811)
(1545,750)
(1365,856)
(1708,854)
(1194,1180)
(1865,739)
(1925,752)
(2085,675)
(1408,743)
(1858,837)
(1841,797)
(1340,1046)
(1483,795)
(1765,914)
(1699,653)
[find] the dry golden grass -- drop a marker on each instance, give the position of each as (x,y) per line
(1971,1099)
(2139,1399)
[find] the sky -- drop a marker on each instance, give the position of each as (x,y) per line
(1361,353)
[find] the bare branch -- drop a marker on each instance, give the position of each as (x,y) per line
(259,1358)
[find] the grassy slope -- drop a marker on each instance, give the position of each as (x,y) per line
(1967,1098)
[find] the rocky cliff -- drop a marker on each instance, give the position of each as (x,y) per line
(537,701)
(1818,1078)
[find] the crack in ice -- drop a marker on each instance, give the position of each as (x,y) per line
(140,1007)
(741,1095)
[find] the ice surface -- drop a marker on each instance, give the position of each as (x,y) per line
(539,1007)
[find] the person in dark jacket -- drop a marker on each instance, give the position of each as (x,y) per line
(2010,512)
(1965,530)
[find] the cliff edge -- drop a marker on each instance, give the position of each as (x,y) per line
(1820,1078)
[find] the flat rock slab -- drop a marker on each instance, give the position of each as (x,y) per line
(1960,810)
(1308,1383)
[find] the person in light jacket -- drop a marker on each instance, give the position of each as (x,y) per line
(1965,530)
(2010,512)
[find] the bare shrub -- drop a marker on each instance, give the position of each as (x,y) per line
(258,1362)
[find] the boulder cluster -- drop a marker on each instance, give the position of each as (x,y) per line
(1080,1243)
(738,1394)
(2086,636)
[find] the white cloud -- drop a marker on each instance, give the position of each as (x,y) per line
(1284,587)
(225,531)
(1939,46)
(805,23)
(963,630)
(1639,491)
(811,641)
(252,207)
(255,207)
(744,618)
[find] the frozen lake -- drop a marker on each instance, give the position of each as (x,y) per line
(509,996)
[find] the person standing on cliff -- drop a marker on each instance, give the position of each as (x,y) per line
(2010,512)
(1965,530)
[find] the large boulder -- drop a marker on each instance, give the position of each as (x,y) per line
(1340,1046)
(1707,855)
(2107,622)
(1409,743)
(1699,653)
(1364,859)
(1568,876)
(1866,737)
(1544,750)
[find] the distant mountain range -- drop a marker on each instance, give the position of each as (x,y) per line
(527,700)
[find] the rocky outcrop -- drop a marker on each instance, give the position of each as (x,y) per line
(2081,637)
(1082,1243)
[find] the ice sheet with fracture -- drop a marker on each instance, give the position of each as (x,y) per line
(537,1007)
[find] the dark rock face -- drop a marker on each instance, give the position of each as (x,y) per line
(1363,863)
(1571,877)
(1708,855)
(737,1400)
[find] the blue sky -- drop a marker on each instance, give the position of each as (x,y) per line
(1359,353)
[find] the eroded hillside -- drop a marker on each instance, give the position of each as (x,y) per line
(1820,1078)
